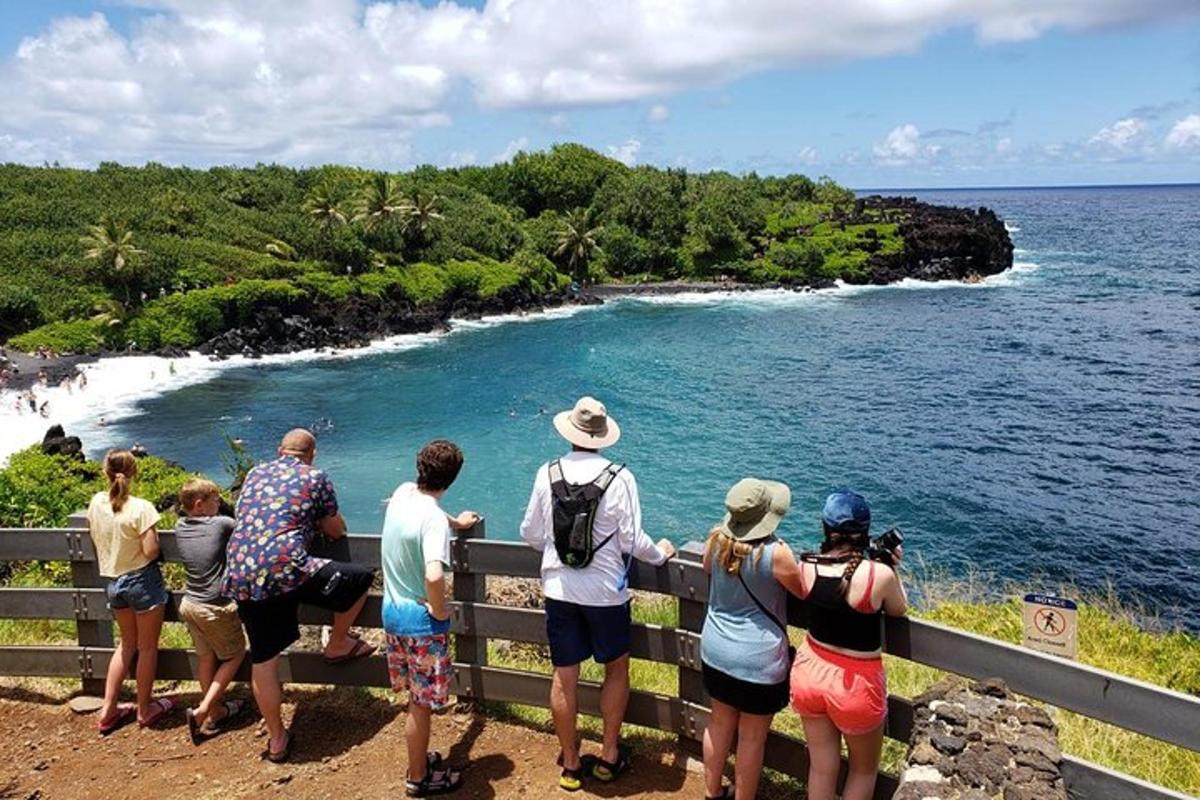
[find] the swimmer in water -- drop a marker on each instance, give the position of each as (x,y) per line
(103,422)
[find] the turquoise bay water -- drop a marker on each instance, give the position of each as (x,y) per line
(1046,423)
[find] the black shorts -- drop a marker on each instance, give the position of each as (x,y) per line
(273,625)
(577,632)
(749,698)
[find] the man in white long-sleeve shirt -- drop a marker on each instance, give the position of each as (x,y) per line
(587,609)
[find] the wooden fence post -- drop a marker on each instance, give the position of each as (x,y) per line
(691,683)
(93,627)
(469,588)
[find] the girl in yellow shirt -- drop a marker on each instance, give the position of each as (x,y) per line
(124,532)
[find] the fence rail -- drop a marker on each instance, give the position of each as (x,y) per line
(1160,713)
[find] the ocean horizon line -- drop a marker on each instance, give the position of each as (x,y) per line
(1028,188)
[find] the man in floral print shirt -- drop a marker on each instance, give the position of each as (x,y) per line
(283,505)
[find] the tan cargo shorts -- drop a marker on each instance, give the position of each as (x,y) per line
(215,629)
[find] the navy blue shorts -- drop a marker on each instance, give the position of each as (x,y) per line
(578,632)
(142,590)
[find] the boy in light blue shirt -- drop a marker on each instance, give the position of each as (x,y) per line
(416,616)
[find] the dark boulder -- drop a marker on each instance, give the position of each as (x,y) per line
(57,443)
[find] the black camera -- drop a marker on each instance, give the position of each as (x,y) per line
(882,547)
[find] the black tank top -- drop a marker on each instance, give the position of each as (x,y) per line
(833,621)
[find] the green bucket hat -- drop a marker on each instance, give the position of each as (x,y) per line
(754,508)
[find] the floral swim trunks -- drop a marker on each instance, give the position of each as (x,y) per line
(421,664)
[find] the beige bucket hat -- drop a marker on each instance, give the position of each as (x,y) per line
(754,508)
(588,425)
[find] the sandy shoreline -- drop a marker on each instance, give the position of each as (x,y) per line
(24,368)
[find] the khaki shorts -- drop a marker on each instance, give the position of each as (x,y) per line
(215,629)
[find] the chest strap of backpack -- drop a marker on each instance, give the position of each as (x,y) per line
(592,492)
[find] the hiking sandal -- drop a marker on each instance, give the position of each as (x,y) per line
(233,709)
(726,793)
(438,781)
(609,771)
(571,780)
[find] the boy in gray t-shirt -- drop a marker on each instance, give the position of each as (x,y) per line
(211,619)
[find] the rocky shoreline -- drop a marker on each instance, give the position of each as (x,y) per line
(941,243)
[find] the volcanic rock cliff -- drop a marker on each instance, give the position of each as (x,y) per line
(940,242)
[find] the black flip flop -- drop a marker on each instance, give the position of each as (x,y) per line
(360,650)
(726,793)
(193,726)
(282,755)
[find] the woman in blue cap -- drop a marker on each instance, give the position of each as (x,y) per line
(838,684)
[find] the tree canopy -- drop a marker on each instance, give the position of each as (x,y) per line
(72,241)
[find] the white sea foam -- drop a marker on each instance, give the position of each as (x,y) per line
(116,384)
(1010,227)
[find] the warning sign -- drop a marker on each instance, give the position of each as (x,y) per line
(1051,625)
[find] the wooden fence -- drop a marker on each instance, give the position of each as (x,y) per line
(1136,706)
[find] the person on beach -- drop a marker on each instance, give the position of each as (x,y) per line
(283,506)
(587,601)
(211,619)
(124,533)
(416,613)
(744,643)
(838,685)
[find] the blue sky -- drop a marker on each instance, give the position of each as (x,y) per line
(876,93)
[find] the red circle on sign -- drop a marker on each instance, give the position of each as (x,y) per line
(1049,622)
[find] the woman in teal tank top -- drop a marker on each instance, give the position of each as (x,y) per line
(744,644)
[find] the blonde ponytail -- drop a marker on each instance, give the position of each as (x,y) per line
(729,553)
(120,468)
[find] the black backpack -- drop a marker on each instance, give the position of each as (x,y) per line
(574,512)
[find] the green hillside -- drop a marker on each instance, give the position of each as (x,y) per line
(154,256)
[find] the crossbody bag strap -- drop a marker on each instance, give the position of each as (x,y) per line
(758,603)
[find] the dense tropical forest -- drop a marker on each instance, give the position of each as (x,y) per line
(152,257)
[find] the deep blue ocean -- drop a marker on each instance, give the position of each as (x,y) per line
(1042,427)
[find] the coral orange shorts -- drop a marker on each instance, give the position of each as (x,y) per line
(851,692)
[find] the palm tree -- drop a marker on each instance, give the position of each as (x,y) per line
(109,313)
(379,203)
(577,241)
(281,250)
(110,244)
(323,207)
(420,212)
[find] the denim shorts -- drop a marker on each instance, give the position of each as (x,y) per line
(142,590)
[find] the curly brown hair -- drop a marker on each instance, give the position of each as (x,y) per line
(438,464)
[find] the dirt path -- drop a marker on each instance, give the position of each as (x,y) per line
(349,744)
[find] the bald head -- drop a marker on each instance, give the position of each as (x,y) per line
(300,443)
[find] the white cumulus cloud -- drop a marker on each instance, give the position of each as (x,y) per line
(1185,134)
(511,149)
(1121,135)
(626,152)
(658,113)
(902,144)
(351,80)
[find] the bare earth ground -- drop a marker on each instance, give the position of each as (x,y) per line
(349,744)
